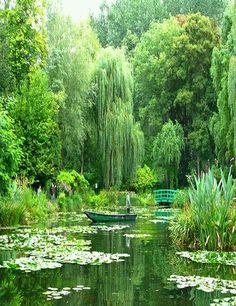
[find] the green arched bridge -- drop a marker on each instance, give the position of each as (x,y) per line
(164,195)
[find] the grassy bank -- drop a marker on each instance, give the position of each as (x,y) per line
(25,205)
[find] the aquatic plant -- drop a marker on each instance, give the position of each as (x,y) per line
(56,294)
(181,198)
(51,248)
(227,301)
(210,257)
(207,284)
(209,222)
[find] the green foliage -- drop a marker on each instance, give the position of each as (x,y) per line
(146,199)
(167,149)
(144,179)
(25,37)
(119,138)
(70,67)
(10,152)
(209,222)
(22,208)
(172,73)
(223,126)
(105,199)
(115,22)
(69,203)
(35,113)
(211,8)
(181,199)
(72,182)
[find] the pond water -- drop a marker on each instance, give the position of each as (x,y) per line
(140,279)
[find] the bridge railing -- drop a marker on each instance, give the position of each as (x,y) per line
(164,195)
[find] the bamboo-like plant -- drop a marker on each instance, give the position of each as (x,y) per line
(211,213)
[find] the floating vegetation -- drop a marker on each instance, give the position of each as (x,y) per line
(112,228)
(40,241)
(159,220)
(227,301)
(56,294)
(51,248)
(42,261)
(29,264)
(137,235)
(207,284)
(225,258)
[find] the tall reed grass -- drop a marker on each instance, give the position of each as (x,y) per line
(22,207)
(209,222)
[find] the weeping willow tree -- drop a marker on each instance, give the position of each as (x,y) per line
(119,138)
(167,149)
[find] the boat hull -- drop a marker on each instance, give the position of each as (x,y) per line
(101,217)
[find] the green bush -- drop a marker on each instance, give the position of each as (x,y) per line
(181,198)
(105,199)
(24,206)
(209,221)
(11,214)
(147,199)
(72,181)
(69,203)
(144,180)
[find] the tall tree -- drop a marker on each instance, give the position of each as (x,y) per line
(172,71)
(125,17)
(35,112)
(167,150)
(25,36)
(211,8)
(223,73)
(72,51)
(120,140)
(10,152)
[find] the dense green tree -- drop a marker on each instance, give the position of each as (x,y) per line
(172,72)
(35,113)
(144,179)
(119,138)
(24,36)
(167,150)
(211,8)
(124,18)
(10,152)
(223,73)
(72,51)
(7,79)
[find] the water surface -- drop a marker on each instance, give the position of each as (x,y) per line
(141,279)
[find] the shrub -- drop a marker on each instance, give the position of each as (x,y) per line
(11,213)
(72,181)
(144,180)
(181,198)
(23,207)
(69,203)
(105,199)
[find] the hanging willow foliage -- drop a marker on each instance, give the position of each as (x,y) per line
(120,140)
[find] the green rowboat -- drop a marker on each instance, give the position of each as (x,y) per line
(101,217)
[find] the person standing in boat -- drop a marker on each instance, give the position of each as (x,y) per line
(128,203)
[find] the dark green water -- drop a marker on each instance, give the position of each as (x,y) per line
(140,279)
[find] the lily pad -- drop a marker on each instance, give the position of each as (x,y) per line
(207,284)
(210,257)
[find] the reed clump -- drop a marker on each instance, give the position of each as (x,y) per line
(23,207)
(209,221)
